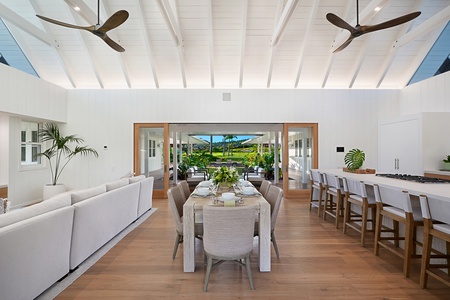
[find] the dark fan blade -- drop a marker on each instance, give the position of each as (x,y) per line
(345,44)
(390,23)
(115,20)
(112,44)
(335,20)
(88,28)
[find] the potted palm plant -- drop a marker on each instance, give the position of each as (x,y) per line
(446,163)
(59,154)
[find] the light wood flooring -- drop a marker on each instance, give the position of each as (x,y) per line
(316,262)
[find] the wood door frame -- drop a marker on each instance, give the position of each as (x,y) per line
(315,155)
(137,154)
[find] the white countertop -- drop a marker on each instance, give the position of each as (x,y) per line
(438,190)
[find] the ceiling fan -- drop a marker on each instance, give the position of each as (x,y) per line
(359,30)
(99,30)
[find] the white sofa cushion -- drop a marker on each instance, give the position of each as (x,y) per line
(88,193)
(116,184)
(136,178)
(17,215)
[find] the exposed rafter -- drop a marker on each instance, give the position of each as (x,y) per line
(272,48)
(283,22)
(442,17)
(211,42)
(88,51)
(311,18)
(390,57)
(11,16)
(243,39)
(148,44)
(62,57)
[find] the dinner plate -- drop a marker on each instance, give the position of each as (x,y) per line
(233,199)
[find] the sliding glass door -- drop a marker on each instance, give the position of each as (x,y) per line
(300,153)
(151,155)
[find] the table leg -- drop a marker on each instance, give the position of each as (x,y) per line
(188,239)
(264,237)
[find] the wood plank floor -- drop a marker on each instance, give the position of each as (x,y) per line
(316,262)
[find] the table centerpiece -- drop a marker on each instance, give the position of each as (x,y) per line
(225,177)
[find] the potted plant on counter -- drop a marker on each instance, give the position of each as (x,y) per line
(446,163)
(59,154)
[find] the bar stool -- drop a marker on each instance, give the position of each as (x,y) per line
(334,198)
(356,194)
(396,205)
(436,220)
(316,180)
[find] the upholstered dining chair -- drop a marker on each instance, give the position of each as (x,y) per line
(264,188)
(317,185)
(395,205)
(228,235)
(436,220)
(334,199)
(185,190)
(356,195)
(274,197)
(176,201)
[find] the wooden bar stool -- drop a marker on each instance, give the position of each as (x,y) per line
(436,220)
(356,194)
(334,198)
(317,185)
(396,205)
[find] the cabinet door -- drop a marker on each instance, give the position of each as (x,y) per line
(398,147)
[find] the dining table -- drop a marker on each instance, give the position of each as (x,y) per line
(193,213)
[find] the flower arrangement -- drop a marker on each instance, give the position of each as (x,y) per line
(228,175)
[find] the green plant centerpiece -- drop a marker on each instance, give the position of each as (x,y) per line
(60,153)
(446,163)
(225,176)
(354,159)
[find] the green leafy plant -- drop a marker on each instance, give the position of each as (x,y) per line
(227,175)
(60,148)
(447,160)
(354,159)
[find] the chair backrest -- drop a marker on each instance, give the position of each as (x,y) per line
(355,187)
(264,188)
(185,190)
(393,197)
(316,176)
(228,231)
(434,208)
(332,181)
(274,197)
(176,201)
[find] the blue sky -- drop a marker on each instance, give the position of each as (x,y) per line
(219,138)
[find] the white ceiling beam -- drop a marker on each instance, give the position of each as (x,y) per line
(331,56)
(113,35)
(10,16)
(312,17)
(368,13)
(167,20)
(88,50)
(282,23)
(435,21)
(391,55)
(60,54)
(211,42)
(273,48)
(243,39)
(147,42)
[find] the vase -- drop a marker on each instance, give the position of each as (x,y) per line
(446,166)
(51,190)
(224,188)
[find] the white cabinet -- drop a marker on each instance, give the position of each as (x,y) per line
(410,144)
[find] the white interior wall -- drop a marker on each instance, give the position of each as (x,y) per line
(4,149)
(346,118)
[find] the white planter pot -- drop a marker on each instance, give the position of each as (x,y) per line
(53,190)
(446,166)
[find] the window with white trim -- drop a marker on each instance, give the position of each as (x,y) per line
(30,144)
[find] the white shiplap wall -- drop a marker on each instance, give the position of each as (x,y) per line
(346,118)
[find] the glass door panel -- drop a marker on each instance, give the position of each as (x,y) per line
(151,144)
(299,156)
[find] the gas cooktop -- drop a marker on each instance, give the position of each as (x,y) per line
(415,178)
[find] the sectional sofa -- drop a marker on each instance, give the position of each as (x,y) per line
(41,243)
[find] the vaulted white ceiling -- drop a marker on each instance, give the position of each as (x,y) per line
(225,43)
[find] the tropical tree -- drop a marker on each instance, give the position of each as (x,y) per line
(60,148)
